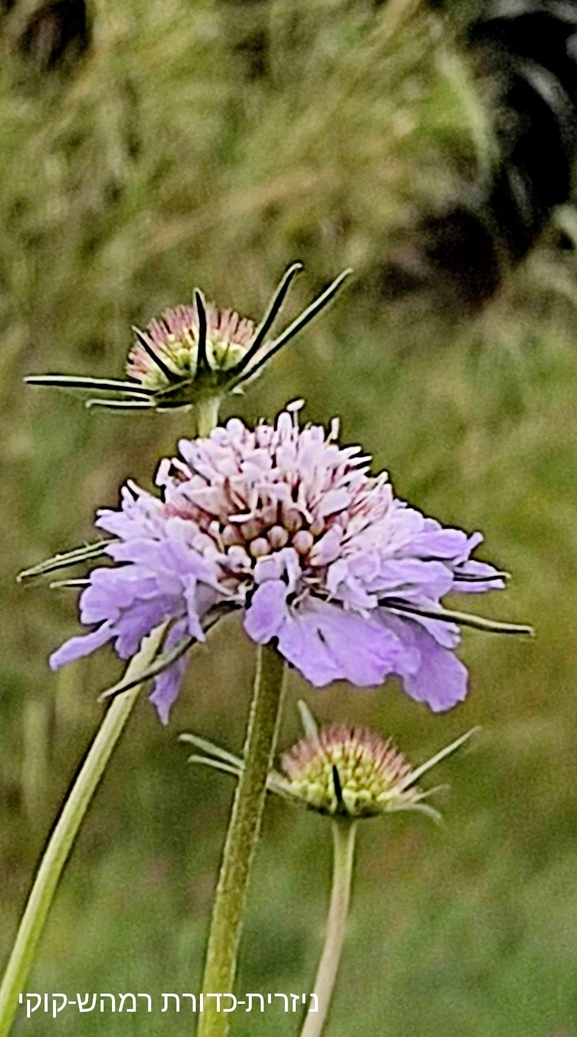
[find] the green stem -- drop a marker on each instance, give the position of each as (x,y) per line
(241,840)
(207,415)
(344,848)
(78,801)
(64,834)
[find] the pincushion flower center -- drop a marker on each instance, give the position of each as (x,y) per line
(292,495)
(270,528)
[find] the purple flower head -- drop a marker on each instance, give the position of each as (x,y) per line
(319,555)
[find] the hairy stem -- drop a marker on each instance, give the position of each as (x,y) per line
(241,840)
(63,836)
(77,803)
(344,848)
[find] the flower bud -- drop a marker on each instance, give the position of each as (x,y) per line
(196,355)
(342,772)
(167,352)
(348,771)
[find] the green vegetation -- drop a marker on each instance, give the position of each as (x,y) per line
(167,157)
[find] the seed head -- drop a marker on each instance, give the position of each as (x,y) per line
(348,771)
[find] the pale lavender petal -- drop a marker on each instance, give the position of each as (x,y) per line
(140,550)
(178,557)
(137,518)
(411,578)
(268,568)
(167,684)
(440,679)
(77,647)
(343,584)
(267,611)
(112,590)
(434,541)
(141,619)
(328,548)
(334,501)
(283,563)
(97,604)
(448,635)
(300,644)
(326,643)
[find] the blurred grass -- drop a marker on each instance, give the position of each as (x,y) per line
(166,158)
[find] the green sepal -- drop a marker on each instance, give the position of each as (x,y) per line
(308,721)
(119,404)
(61,561)
(65,381)
(289,333)
(463,619)
(161,663)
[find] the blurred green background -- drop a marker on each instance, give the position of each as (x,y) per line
(210,143)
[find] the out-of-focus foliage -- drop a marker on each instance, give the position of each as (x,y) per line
(197,142)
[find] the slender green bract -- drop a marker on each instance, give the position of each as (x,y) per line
(344,831)
(241,840)
(64,834)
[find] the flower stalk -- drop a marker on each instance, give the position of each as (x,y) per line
(242,837)
(62,838)
(344,832)
(207,415)
(75,807)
